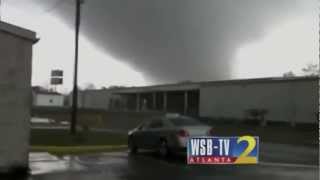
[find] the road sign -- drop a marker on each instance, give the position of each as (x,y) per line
(56,81)
(56,73)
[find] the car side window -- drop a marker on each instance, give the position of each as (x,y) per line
(144,126)
(141,126)
(156,124)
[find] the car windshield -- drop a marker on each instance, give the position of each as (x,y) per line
(185,121)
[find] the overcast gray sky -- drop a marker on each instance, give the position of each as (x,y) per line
(141,42)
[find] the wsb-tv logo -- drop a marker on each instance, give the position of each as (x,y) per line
(223,150)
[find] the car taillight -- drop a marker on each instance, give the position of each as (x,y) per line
(211,132)
(183,133)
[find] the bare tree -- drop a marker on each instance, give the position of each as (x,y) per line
(288,74)
(90,86)
(311,70)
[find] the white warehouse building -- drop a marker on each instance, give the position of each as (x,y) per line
(42,97)
(292,100)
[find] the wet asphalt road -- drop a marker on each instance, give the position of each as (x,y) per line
(277,162)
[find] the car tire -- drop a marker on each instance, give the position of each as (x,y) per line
(163,149)
(133,149)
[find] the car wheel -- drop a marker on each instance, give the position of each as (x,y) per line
(163,149)
(133,149)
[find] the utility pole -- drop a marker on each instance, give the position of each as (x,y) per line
(74,111)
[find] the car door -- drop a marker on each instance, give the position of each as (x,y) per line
(145,135)
(155,131)
(140,135)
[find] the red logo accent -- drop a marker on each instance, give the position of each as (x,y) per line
(211,160)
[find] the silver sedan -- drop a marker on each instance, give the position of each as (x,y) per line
(166,134)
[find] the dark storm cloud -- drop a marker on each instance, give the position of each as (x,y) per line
(175,40)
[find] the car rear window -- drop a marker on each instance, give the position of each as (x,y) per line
(185,121)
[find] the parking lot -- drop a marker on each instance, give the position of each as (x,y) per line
(276,162)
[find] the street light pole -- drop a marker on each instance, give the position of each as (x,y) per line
(74,111)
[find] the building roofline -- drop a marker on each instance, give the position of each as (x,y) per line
(18,31)
(262,80)
(48,93)
(197,85)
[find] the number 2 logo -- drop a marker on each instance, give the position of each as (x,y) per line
(244,157)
